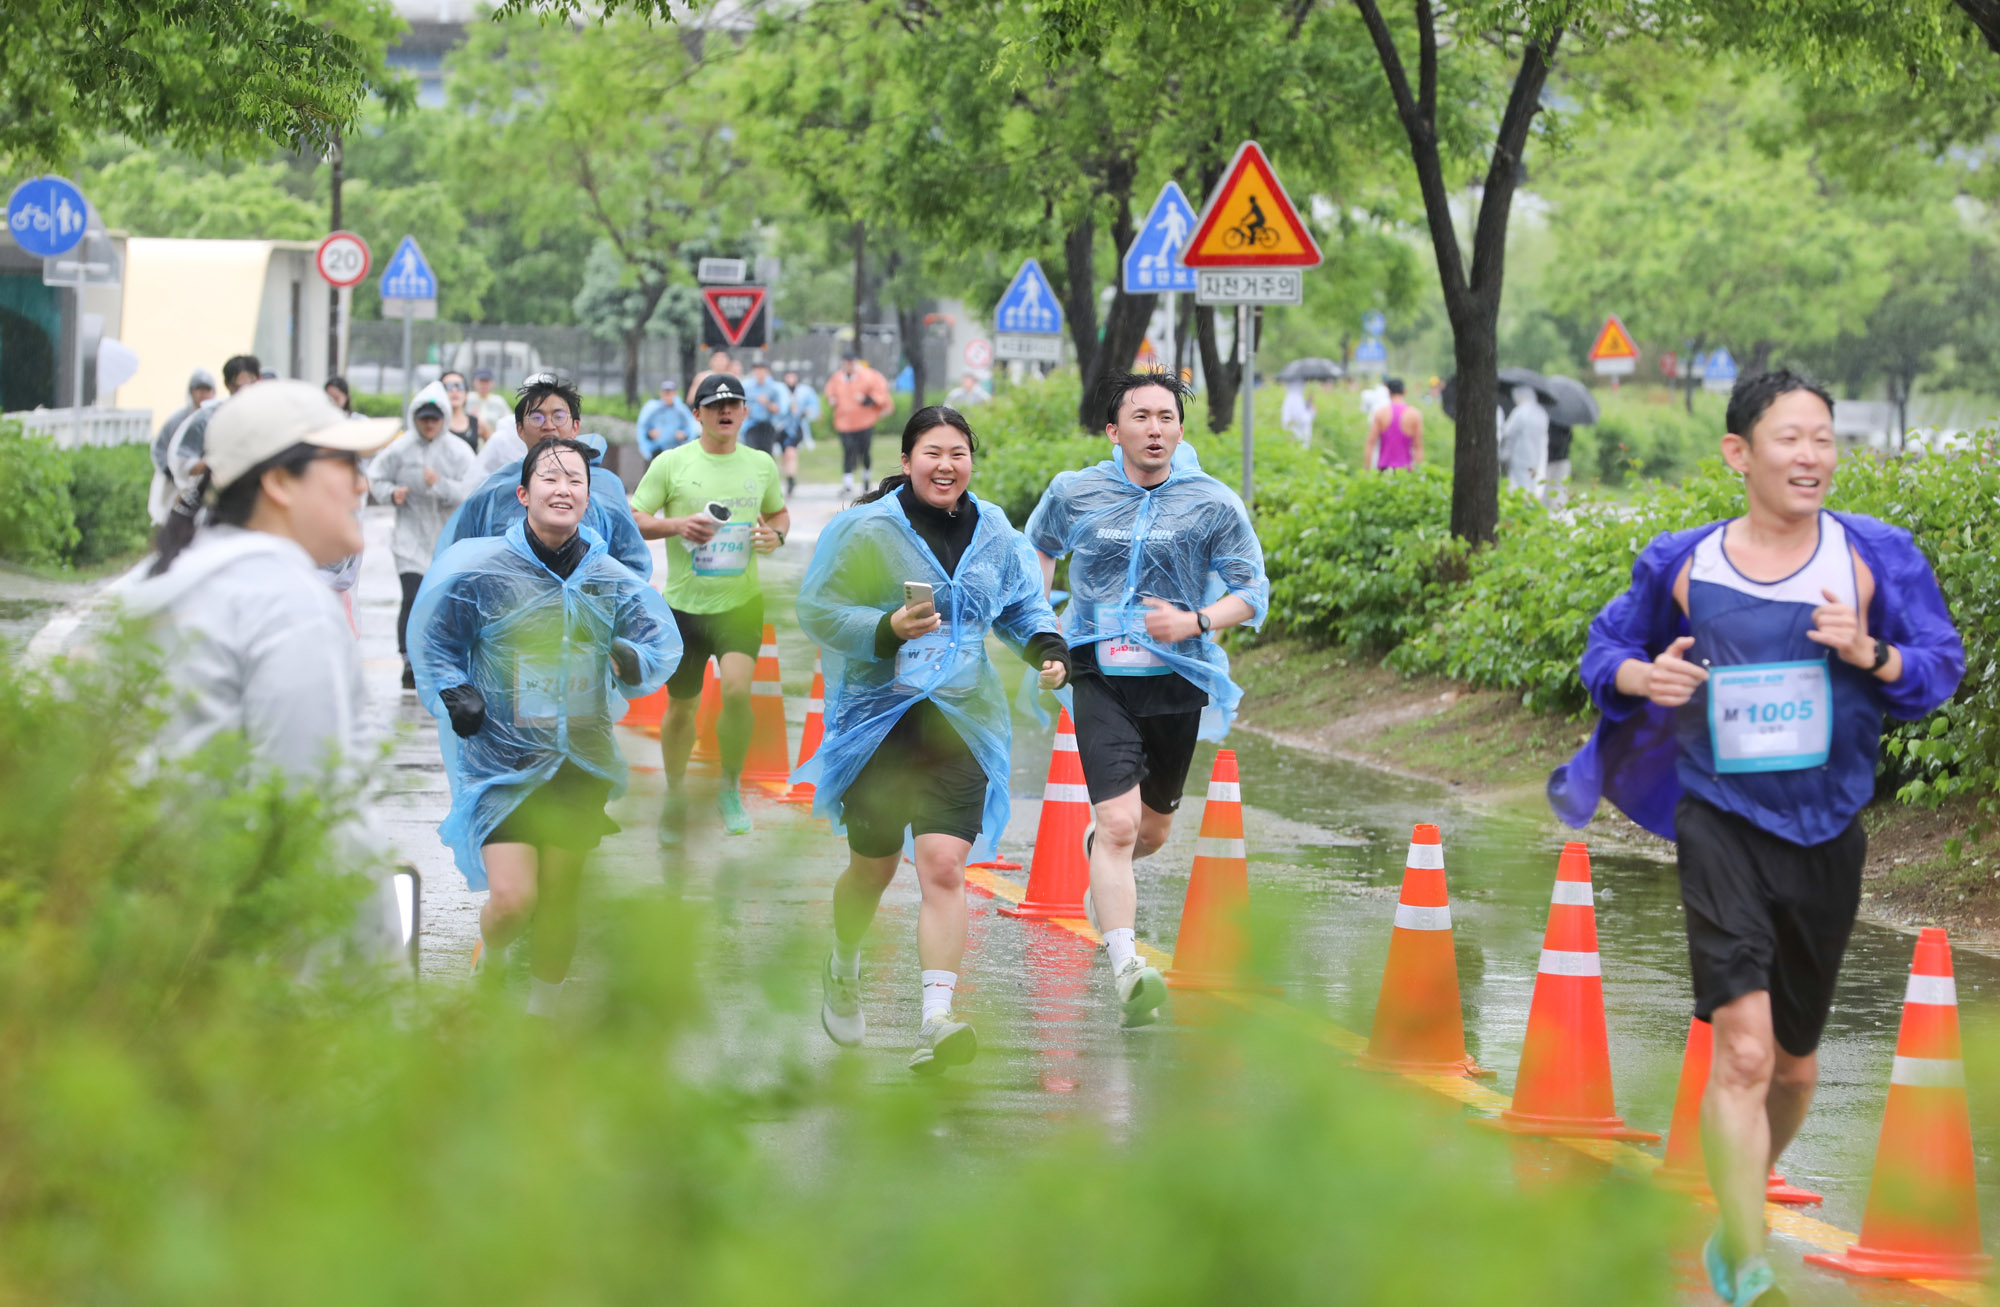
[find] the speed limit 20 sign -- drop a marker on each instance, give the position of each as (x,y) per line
(343,258)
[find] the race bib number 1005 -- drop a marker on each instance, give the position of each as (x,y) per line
(1770,716)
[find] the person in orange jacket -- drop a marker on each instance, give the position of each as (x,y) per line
(858,395)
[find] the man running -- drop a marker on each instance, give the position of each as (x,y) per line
(770,402)
(859,398)
(1395,432)
(160,501)
(1743,679)
(723,503)
(665,423)
(1145,531)
(803,408)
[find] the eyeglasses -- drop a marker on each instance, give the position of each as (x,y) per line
(454,385)
(560,418)
(347,456)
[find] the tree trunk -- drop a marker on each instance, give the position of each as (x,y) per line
(1125,323)
(633,339)
(860,278)
(1223,375)
(1079,297)
(1760,357)
(1689,382)
(910,326)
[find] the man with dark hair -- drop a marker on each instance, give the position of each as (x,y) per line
(201,389)
(1743,679)
(186,446)
(1145,530)
(722,501)
(240,371)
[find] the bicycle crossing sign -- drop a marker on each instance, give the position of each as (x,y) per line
(47,216)
(1029,308)
(1614,354)
(1249,221)
(1153,260)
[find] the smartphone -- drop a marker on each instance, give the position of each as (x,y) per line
(917,594)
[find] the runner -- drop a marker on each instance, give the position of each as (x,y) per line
(1742,691)
(770,404)
(804,407)
(918,733)
(723,503)
(666,422)
(184,447)
(1161,555)
(859,398)
(343,398)
(160,501)
(462,423)
(494,412)
(424,477)
(526,646)
(1395,432)
(254,644)
(494,506)
(968,393)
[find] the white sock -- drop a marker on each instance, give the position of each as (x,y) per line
(1122,944)
(543,996)
(938,986)
(846,481)
(846,959)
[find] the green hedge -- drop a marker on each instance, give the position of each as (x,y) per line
(71,508)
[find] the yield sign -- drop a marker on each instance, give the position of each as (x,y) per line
(1249,221)
(1614,342)
(733,309)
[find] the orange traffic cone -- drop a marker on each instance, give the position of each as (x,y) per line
(1922,1220)
(1060,873)
(815,730)
(707,747)
(1683,1171)
(1564,1086)
(770,758)
(1213,946)
(646,712)
(1418,1025)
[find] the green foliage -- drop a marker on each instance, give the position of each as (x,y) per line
(108,488)
(1650,440)
(151,193)
(199,74)
(39,525)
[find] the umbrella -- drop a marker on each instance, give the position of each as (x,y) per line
(1311,370)
(1571,402)
(1511,377)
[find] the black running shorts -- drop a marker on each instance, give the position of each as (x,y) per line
(1120,749)
(922,778)
(733,630)
(564,812)
(1765,913)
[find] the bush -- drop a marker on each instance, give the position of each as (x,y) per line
(1644,438)
(39,525)
(108,489)
(72,508)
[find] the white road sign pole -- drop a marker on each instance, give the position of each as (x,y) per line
(406,361)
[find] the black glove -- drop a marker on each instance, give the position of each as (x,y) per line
(625,661)
(467,707)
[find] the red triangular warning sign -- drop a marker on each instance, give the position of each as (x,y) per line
(1614,342)
(1249,221)
(733,309)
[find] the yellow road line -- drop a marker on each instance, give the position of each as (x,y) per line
(1820,1235)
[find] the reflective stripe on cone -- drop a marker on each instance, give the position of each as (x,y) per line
(1419,1026)
(1058,874)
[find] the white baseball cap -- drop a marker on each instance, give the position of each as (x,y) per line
(262,421)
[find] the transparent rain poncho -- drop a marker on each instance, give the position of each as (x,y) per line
(538,649)
(1188,541)
(856,575)
(493,507)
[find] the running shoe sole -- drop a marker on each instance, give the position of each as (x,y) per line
(955,1049)
(1142,1008)
(827,1016)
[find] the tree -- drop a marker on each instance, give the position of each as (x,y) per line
(629,128)
(199,75)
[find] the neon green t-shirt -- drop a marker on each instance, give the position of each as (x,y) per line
(684,481)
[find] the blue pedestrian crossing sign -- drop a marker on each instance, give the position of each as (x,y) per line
(1720,373)
(1374,323)
(407,275)
(1153,260)
(1029,307)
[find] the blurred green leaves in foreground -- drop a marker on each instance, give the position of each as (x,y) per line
(184,1120)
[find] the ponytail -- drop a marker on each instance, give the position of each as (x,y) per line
(890,485)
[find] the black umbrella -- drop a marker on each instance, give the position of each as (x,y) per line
(1509,378)
(1569,401)
(1311,369)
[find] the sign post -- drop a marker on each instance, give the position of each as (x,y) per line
(737,316)
(49,216)
(343,261)
(1245,255)
(1614,355)
(409,291)
(1153,260)
(1028,319)
(1720,373)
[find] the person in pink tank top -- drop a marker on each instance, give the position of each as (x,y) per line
(1395,432)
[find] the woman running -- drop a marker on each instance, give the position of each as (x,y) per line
(462,423)
(525,647)
(917,727)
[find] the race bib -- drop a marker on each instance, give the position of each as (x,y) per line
(545,690)
(922,661)
(1770,716)
(1122,655)
(726,553)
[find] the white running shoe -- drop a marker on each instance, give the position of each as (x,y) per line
(840,1007)
(943,1042)
(1141,990)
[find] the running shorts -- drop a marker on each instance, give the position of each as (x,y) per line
(922,778)
(564,812)
(1765,913)
(1120,749)
(705,635)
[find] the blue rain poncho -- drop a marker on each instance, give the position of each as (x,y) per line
(1198,545)
(856,575)
(538,649)
(493,507)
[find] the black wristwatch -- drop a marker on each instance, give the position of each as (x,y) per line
(1881,655)
(1201,620)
